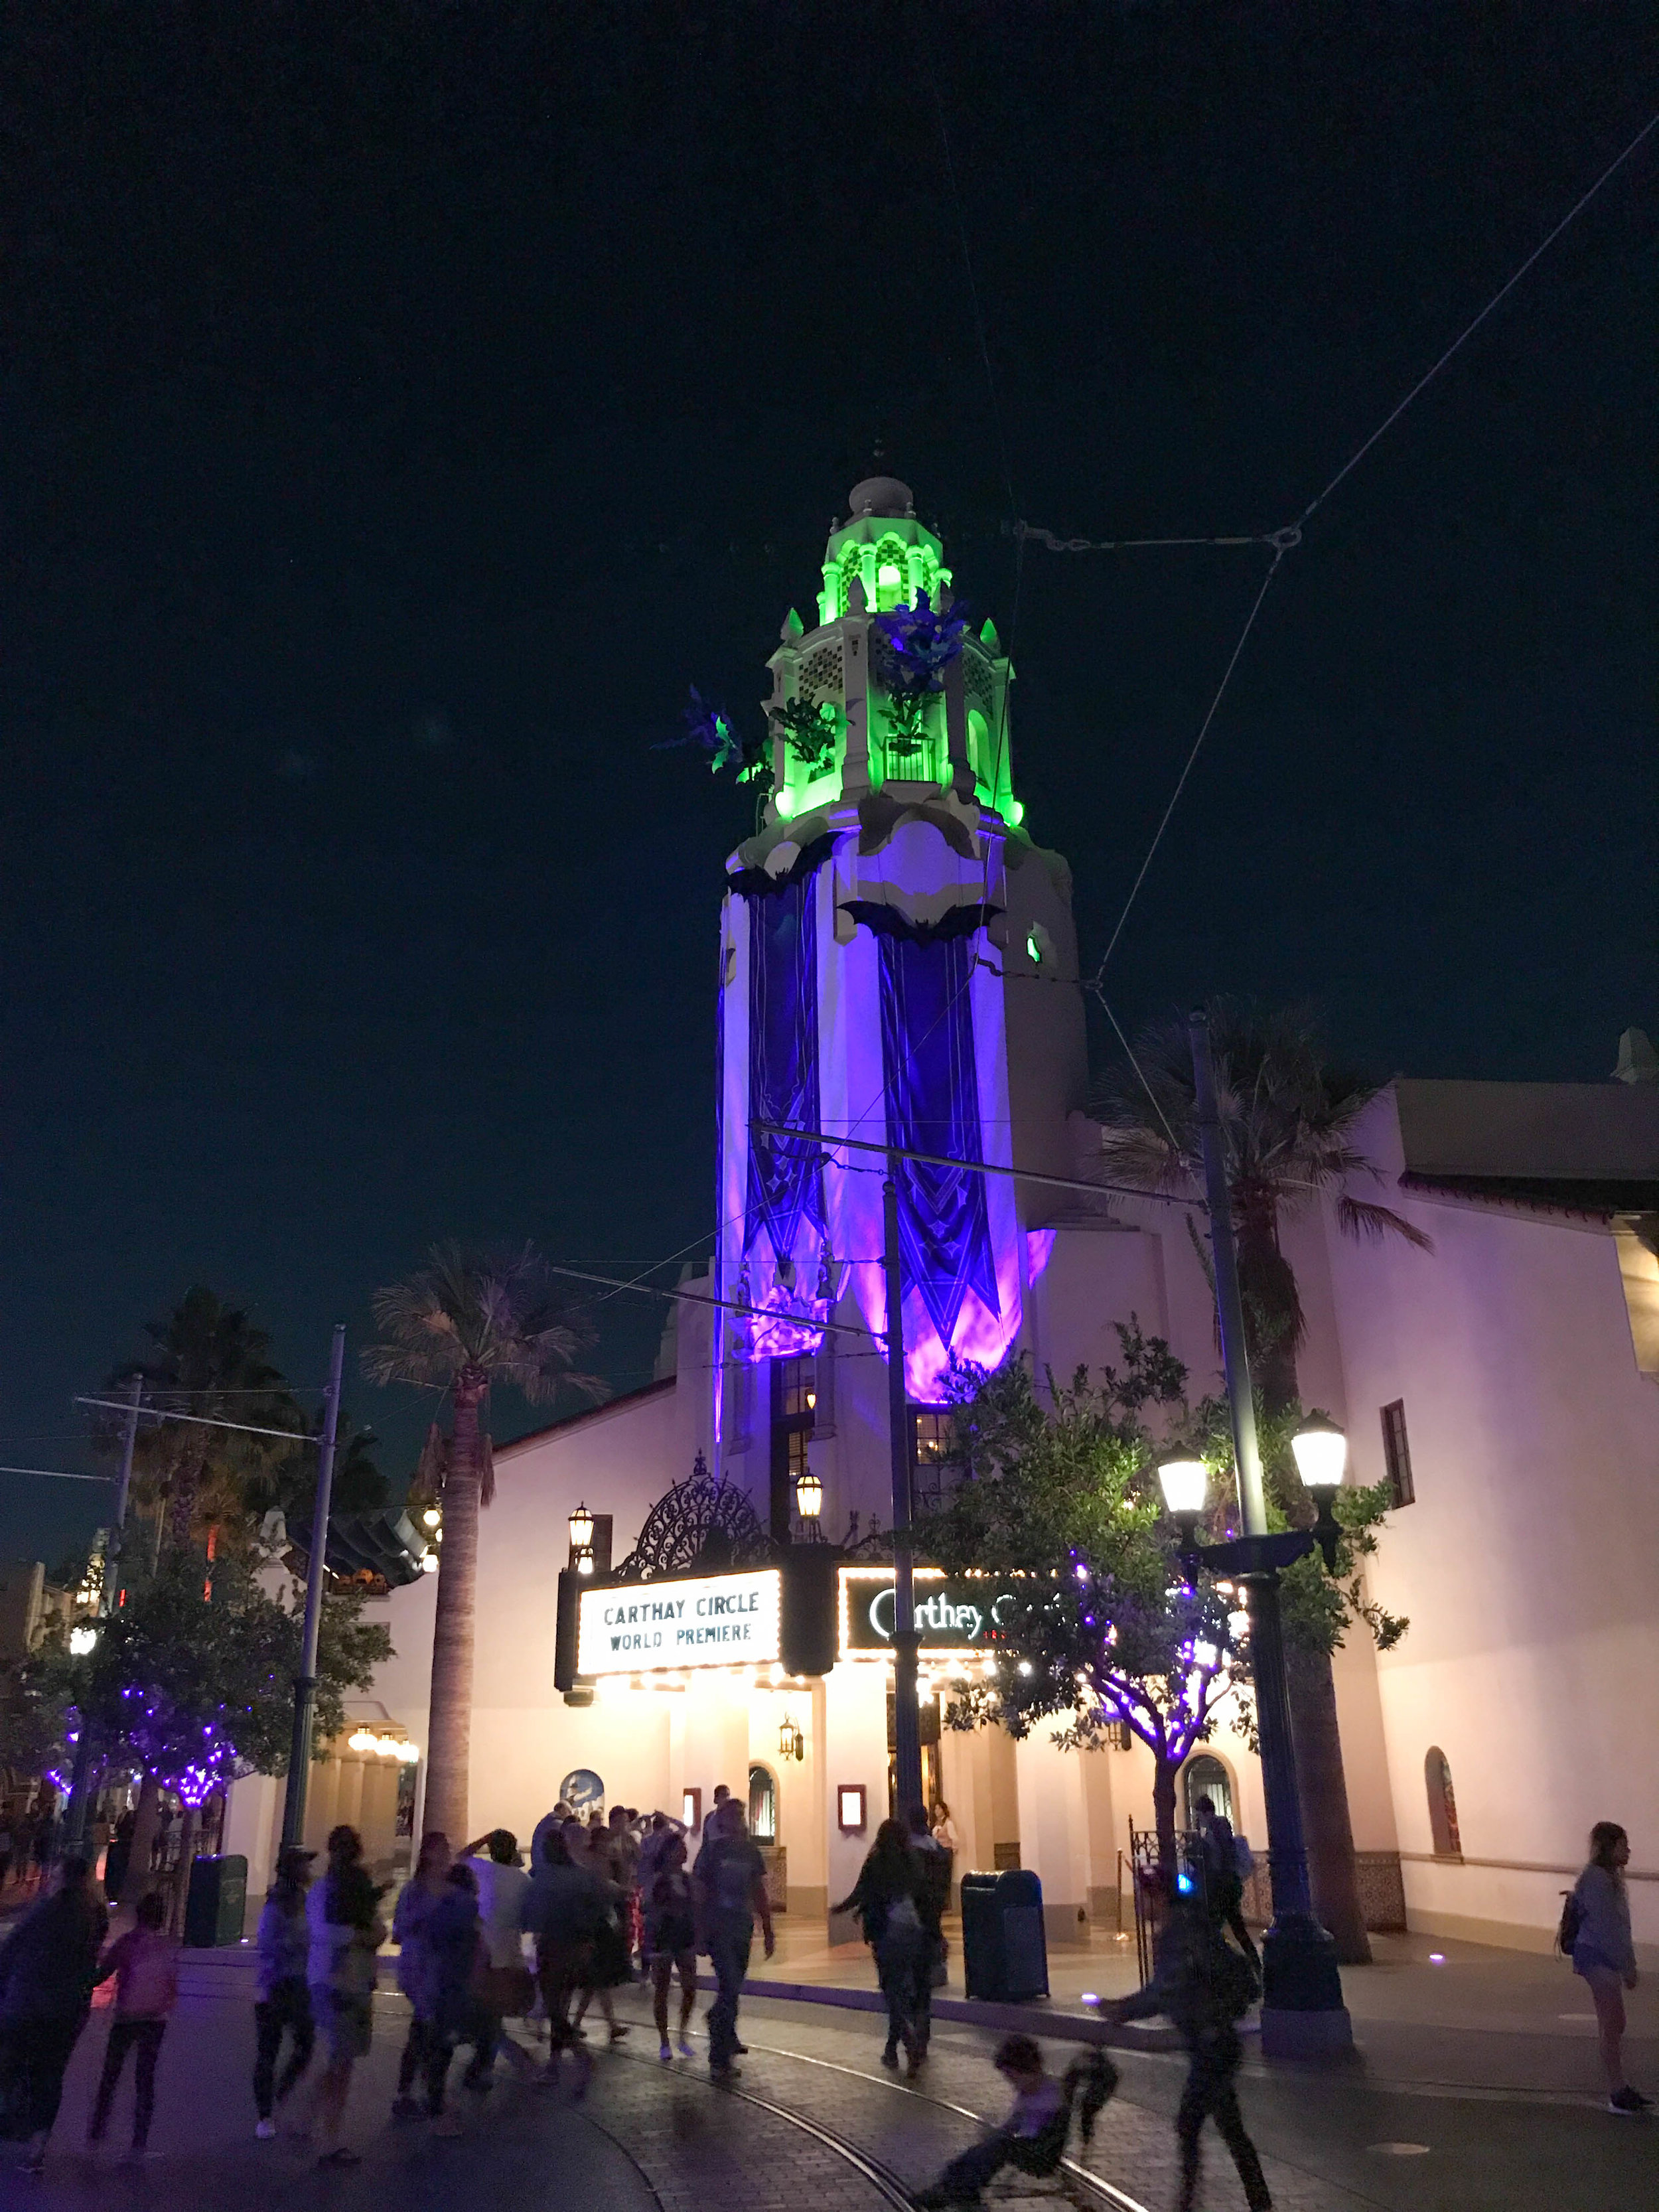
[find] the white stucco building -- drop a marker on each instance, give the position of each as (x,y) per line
(898,961)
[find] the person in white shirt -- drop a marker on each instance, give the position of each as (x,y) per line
(508,1985)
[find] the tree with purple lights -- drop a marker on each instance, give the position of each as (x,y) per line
(1105,1625)
(193,1689)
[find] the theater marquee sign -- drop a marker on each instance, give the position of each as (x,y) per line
(957,1614)
(717,1620)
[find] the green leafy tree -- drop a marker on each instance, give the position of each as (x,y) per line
(193,1689)
(1288,1118)
(468,1320)
(1103,1625)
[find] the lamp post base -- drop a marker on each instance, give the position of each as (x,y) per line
(1302,2014)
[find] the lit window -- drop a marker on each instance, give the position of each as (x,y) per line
(935,1462)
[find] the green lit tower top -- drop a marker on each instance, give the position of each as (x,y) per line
(838,730)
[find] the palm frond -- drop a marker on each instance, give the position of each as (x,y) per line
(1369,1223)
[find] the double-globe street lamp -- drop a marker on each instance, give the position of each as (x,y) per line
(1302,2014)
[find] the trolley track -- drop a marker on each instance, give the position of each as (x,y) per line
(1105,2193)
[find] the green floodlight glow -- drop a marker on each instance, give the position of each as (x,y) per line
(887,574)
(1034,949)
(1015,811)
(785,802)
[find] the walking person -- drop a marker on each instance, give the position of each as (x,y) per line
(505,1986)
(609,1965)
(563,1911)
(1224,1876)
(417,1902)
(5,1849)
(671,1943)
(448,1959)
(145,1964)
(47,1966)
(346,1931)
(729,1889)
(1604,1956)
(887,1897)
(1203,1987)
(282,1997)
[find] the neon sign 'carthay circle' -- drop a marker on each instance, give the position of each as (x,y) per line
(955,1614)
(714,1621)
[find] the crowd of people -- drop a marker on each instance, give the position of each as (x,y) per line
(482,1940)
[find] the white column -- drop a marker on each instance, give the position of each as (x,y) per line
(1054,1832)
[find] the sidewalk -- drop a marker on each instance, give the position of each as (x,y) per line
(1427,2012)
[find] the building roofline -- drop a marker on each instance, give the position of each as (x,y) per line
(588,1413)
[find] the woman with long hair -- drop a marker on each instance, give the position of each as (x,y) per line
(671,1942)
(888,1898)
(1603,1953)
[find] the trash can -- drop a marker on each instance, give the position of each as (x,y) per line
(1005,1955)
(216,1903)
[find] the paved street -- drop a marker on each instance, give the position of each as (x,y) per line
(817,2123)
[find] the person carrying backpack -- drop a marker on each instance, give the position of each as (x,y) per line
(1224,1875)
(1202,1986)
(1595,1934)
(889,1900)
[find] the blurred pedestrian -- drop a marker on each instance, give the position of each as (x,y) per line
(563,1911)
(342,1916)
(5,1849)
(610,1963)
(887,1897)
(1033,2138)
(1223,1882)
(449,1946)
(282,1999)
(1203,1987)
(729,1888)
(47,1967)
(145,1964)
(671,1942)
(1604,1956)
(506,1988)
(417,1902)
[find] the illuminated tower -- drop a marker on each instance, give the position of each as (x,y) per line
(898,963)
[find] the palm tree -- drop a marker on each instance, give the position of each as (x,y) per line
(210,1361)
(469,1320)
(1288,1118)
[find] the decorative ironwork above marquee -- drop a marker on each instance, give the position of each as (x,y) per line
(702,1523)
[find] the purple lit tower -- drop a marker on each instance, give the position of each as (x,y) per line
(897,962)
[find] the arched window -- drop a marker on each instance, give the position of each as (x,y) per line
(1205,1776)
(763,1806)
(1442,1805)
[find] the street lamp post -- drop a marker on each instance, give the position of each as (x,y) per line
(1302,2014)
(907,1637)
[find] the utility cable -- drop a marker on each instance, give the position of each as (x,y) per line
(1181,784)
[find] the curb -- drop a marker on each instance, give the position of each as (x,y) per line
(970,2012)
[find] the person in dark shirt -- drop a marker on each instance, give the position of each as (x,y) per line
(890,1898)
(729,1885)
(48,1965)
(1202,1985)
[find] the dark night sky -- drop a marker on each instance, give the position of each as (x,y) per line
(403,402)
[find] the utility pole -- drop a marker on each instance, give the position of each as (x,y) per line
(305,1682)
(1302,2014)
(906,1637)
(75,1818)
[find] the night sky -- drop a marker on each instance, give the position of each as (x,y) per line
(403,402)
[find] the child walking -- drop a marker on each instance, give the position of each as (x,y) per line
(145,1964)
